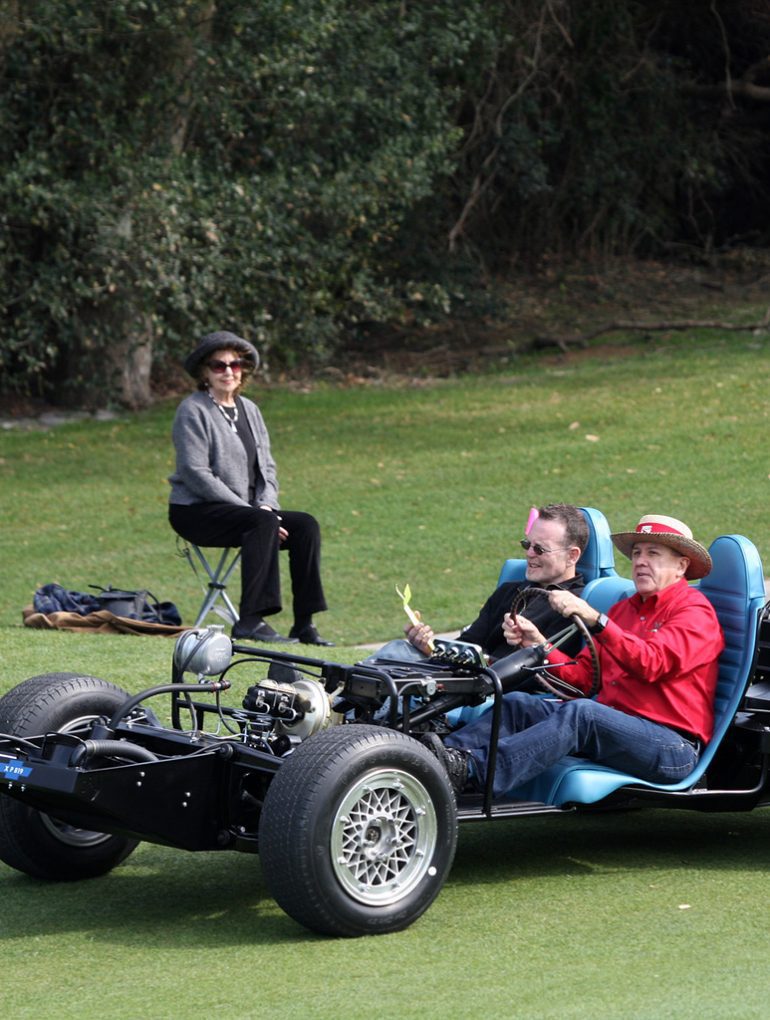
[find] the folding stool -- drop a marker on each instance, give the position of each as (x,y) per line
(216,588)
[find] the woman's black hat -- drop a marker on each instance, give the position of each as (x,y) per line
(220,341)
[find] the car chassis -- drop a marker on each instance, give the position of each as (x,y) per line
(319,769)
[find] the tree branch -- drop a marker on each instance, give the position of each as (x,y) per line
(726,48)
(626,325)
(741,87)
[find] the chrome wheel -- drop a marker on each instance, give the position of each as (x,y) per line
(383,836)
(358,831)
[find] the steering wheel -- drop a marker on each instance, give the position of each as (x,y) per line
(550,681)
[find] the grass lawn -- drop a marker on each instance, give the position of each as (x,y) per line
(638,915)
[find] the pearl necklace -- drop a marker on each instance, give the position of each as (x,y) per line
(230,421)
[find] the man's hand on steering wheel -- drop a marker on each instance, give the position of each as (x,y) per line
(518,628)
(568,604)
(521,632)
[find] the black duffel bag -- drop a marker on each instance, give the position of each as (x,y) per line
(136,605)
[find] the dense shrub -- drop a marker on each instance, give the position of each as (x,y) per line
(606,127)
(299,170)
(176,166)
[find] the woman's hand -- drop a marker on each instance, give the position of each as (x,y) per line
(420,635)
(283,534)
(521,632)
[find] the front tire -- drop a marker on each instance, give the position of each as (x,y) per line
(30,840)
(358,831)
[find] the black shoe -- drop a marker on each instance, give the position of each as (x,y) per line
(260,632)
(454,760)
(308,635)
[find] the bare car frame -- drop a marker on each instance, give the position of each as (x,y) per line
(317,766)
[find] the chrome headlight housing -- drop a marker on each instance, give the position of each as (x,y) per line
(206,651)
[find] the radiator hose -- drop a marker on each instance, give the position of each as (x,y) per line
(110,749)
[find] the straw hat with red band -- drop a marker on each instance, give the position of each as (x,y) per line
(672,533)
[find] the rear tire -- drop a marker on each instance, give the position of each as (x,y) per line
(358,831)
(30,840)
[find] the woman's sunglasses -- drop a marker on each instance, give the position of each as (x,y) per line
(222,366)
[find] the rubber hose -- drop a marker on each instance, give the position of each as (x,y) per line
(111,748)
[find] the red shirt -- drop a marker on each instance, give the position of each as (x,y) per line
(658,659)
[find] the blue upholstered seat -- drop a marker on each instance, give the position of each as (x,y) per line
(604,592)
(736,589)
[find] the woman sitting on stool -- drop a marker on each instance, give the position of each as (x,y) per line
(224,492)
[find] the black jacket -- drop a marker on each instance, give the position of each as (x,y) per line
(487,629)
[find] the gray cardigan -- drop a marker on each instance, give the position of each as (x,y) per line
(211,463)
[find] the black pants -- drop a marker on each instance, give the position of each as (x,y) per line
(256,532)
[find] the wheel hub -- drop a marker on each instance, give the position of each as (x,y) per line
(379,839)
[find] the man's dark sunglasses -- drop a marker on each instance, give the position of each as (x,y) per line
(222,366)
(539,549)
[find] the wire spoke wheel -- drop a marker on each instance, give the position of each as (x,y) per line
(383,836)
(358,831)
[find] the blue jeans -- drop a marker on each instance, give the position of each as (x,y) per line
(399,649)
(535,733)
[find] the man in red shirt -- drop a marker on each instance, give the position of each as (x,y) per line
(658,651)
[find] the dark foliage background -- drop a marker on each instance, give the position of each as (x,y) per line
(303,172)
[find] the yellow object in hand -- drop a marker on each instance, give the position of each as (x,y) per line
(405,597)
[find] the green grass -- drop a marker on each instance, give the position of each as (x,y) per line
(429,484)
(640,915)
(645,915)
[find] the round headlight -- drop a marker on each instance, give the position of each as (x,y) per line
(205,652)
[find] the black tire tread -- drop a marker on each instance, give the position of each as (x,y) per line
(21,707)
(37,706)
(286,864)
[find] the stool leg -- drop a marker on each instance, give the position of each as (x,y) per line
(217,586)
(231,610)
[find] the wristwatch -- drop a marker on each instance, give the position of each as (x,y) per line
(600,624)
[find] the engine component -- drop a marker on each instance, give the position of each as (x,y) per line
(460,654)
(205,652)
(299,709)
(317,710)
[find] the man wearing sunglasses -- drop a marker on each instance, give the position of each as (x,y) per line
(553,547)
